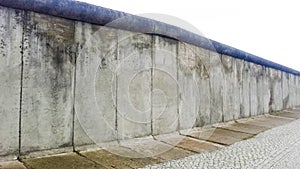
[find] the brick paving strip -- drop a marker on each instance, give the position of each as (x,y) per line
(150,150)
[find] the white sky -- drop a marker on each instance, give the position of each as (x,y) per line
(267,28)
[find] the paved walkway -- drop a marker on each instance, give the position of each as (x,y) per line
(271,141)
(275,148)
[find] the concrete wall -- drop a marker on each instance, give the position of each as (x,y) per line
(11,30)
(65,84)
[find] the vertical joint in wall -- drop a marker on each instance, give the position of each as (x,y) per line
(177,88)
(24,19)
(116,90)
(151,83)
(74,98)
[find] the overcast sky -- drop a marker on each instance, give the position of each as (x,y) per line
(267,28)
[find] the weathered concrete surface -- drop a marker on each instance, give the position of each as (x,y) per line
(298,90)
(268,121)
(276,102)
(187,143)
(11,29)
(231,98)
(203,85)
(196,145)
(245,128)
(171,138)
(260,89)
(134,85)
(288,114)
(285,90)
(47,83)
(165,86)
(173,154)
(253,90)
(188,63)
(292,110)
(95,104)
(292,91)
(219,135)
(216,73)
(244,69)
(110,160)
(64,161)
(193,78)
(12,165)
(266,91)
(147,146)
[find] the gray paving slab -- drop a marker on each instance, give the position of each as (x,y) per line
(219,135)
(245,128)
(66,161)
(289,114)
(173,154)
(12,165)
(269,121)
(195,145)
(147,147)
(111,160)
(171,139)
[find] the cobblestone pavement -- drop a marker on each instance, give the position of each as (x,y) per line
(277,148)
